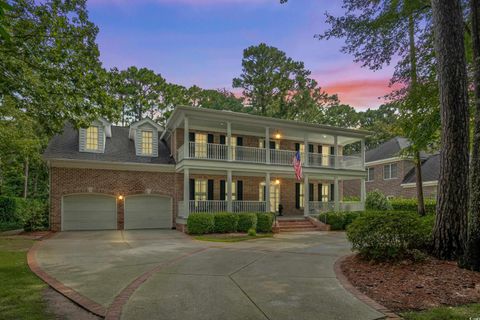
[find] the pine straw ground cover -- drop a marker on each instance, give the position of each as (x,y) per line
(407,286)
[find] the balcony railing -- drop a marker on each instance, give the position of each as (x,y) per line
(212,151)
(212,206)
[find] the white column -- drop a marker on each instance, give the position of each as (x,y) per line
(229,190)
(186,190)
(229,140)
(306,153)
(186,142)
(363,194)
(336,197)
(362,152)
(335,150)
(267,144)
(267,192)
(306,195)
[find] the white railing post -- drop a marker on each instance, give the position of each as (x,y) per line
(267,144)
(363,194)
(306,152)
(186,141)
(267,192)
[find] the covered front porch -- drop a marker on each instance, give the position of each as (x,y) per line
(240,191)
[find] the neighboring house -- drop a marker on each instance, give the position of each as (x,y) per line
(146,176)
(394,175)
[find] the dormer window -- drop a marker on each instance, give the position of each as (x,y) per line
(92,138)
(147,142)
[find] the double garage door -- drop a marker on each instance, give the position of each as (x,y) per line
(99,212)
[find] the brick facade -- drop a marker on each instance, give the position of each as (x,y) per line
(66,181)
(390,187)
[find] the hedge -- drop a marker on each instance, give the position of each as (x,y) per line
(264,222)
(377,201)
(246,221)
(8,207)
(31,214)
(403,204)
(225,222)
(338,220)
(390,235)
(200,223)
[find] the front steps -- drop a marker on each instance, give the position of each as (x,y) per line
(299,224)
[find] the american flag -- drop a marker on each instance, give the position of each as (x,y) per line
(297,166)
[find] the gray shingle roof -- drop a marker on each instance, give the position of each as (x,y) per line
(118,148)
(389,149)
(430,170)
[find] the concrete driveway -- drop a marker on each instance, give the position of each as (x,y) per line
(154,274)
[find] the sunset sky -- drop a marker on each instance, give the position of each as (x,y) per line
(201,41)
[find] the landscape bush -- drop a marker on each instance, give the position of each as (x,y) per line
(200,223)
(264,222)
(404,204)
(246,221)
(390,235)
(377,201)
(252,232)
(225,222)
(8,207)
(338,220)
(33,214)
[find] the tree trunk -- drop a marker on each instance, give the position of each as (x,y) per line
(472,254)
(25,183)
(450,231)
(413,76)
(419,184)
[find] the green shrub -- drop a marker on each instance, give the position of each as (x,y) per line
(246,221)
(252,232)
(33,214)
(351,198)
(377,201)
(338,220)
(264,222)
(200,223)
(389,235)
(403,204)
(7,209)
(225,222)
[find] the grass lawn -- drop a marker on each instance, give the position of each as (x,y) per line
(20,289)
(231,237)
(470,311)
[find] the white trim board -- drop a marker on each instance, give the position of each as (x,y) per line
(424,184)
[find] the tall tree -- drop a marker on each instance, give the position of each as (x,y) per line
(277,86)
(450,229)
(4,7)
(472,251)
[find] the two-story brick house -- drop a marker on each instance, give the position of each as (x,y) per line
(394,174)
(146,176)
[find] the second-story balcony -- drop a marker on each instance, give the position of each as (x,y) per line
(221,152)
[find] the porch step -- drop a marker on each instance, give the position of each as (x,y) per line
(296,225)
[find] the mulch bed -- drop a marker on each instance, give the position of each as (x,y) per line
(413,286)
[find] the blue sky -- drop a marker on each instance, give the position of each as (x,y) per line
(201,41)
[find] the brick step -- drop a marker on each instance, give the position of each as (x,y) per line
(298,229)
(296,223)
(293,227)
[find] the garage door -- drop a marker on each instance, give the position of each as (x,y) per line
(89,212)
(147,212)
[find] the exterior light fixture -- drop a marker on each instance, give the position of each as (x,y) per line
(277,181)
(277,135)
(120,197)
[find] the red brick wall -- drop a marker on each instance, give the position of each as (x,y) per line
(113,182)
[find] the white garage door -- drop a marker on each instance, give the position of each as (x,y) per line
(147,212)
(89,212)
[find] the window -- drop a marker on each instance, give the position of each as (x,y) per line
(390,171)
(325,193)
(147,142)
(301,197)
(200,145)
(370,174)
(92,138)
(261,144)
(200,190)
(234,191)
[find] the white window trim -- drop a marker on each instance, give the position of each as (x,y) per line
(390,171)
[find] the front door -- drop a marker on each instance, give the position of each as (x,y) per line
(274,195)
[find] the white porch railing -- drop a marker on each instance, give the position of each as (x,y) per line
(214,151)
(248,206)
(316,207)
(213,206)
